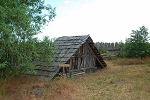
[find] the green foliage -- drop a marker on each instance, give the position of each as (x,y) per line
(23,17)
(120,46)
(3,65)
(102,49)
(137,45)
(20,20)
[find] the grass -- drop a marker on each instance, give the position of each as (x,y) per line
(30,88)
(133,61)
(118,83)
(115,82)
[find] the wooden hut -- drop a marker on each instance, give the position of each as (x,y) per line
(75,55)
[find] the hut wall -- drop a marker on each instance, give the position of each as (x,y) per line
(83,58)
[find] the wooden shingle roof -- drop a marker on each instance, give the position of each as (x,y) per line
(67,46)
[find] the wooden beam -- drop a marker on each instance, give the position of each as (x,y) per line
(63,65)
(82,56)
(93,53)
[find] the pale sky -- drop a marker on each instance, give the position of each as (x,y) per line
(103,20)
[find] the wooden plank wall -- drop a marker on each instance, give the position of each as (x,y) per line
(83,58)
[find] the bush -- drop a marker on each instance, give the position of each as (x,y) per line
(19,57)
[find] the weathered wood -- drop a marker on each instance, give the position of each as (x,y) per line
(73,52)
(63,70)
(79,61)
(82,56)
(81,65)
(84,62)
(63,65)
(106,56)
(90,69)
(94,54)
(77,74)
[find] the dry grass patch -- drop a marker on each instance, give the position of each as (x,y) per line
(115,82)
(132,61)
(63,89)
(31,89)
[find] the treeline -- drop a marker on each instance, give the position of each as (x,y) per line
(137,46)
(20,20)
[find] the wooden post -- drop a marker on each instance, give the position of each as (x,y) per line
(63,70)
(64,66)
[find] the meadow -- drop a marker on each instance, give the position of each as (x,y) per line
(122,79)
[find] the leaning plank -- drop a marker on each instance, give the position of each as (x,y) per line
(94,54)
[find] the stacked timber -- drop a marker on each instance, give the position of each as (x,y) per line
(106,56)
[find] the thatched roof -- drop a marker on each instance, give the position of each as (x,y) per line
(67,46)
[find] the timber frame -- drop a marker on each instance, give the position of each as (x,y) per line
(75,55)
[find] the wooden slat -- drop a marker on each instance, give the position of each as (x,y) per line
(94,54)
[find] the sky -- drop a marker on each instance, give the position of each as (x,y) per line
(103,20)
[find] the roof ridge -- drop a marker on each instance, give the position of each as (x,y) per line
(75,36)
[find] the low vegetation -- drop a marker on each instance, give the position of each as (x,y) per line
(118,81)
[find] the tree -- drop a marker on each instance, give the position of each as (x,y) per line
(138,44)
(120,48)
(20,20)
(23,18)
